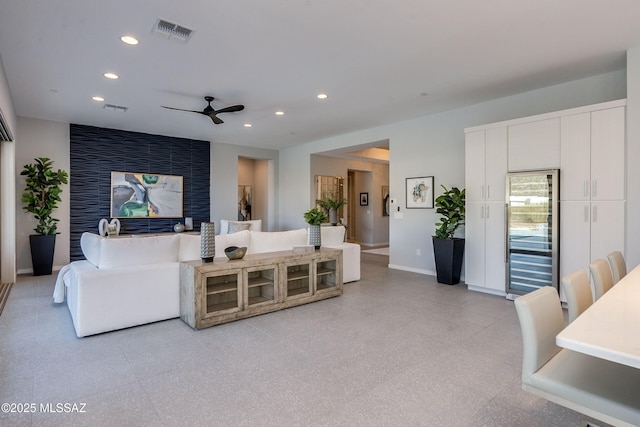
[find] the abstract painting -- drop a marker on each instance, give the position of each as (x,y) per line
(140,195)
(420,192)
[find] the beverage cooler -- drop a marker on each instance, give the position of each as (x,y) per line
(532,231)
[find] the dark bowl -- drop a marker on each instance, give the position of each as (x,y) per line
(234,252)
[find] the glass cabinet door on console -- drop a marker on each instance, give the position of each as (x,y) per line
(262,286)
(326,274)
(223,293)
(298,280)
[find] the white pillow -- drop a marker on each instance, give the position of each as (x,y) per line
(256,225)
(272,241)
(235,227)
(189,247)
(239,239)
(126,252)
(90,245)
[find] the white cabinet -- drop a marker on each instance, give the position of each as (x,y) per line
(485,247)
(486,165)
(592,155)
(534,145)
(592,187)
(589,230)
(485,170)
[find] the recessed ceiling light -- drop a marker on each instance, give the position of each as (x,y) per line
(322,96)
(129,40)
(97,98)
(248,125)
(279,113)
(111,76)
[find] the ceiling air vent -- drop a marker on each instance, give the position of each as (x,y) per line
(171,31)
(5,132)
(115,107)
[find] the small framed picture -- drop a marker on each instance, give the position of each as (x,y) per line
(364,199)
(420,192)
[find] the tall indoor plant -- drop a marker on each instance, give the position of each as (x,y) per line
(41,197)
(331,202)
(447,249)
(314,217)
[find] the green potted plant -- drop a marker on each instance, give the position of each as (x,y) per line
(314,217)
(41,197)
(447,249)
(331,202)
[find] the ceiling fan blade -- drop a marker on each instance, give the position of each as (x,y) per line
(215,118)
(181,109)
(231,109)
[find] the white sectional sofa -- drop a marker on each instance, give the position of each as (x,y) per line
(130,281)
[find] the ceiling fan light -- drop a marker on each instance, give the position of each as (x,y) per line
(111,76)
(322,96)
(130,40)
(248,125)
(279,113)
(97,98)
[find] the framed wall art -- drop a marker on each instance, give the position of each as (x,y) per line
(364,199)
(419,192)
(140,195)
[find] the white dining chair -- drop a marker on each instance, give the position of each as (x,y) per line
(577,288)
(602,279)
(595,387)
(618,266)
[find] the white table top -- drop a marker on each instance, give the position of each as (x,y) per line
(610,328)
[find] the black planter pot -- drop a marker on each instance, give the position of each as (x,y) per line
(448,255)
(42,248)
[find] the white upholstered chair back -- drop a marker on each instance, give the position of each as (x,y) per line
(541,319)
(578,291)
(602,279)
(618,266)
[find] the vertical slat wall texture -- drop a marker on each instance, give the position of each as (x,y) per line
(96,152)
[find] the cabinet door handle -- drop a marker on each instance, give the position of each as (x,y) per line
(482,212)
(488,191)
(482,192)
(488,212)
(594,191)
(594,216)
(586,213)
(586,188)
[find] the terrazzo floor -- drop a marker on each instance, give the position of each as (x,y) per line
(397,349)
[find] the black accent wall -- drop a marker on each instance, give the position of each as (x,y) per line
(96,152)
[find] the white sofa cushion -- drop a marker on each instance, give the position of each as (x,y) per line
(272,241)
(90,245)
(332,235)
(239,239)
(254,225)
(189,247)
(125,252)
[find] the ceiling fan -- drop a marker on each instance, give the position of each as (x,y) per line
(209,110)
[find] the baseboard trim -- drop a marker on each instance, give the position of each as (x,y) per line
(412,270)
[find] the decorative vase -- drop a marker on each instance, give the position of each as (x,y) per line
(315,236)
(178,228)
(333,216)
(207,241)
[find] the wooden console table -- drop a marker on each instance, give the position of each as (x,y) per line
(224,290)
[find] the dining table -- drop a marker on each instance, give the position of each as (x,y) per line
(610,327)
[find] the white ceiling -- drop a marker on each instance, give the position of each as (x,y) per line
(374,58)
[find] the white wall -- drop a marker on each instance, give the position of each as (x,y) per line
(41,138)
(7,187)
(372,228)
(432,145)
(633,158)
(224,182)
